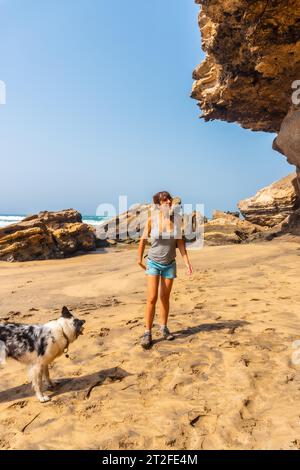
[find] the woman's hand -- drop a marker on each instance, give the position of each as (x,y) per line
(182,249)
(189,269)
(142,265)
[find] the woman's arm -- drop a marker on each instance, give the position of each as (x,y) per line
(143,242)
(185,256)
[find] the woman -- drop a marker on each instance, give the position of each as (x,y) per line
(166,235)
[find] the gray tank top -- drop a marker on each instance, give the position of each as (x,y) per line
(163,248)
(163,244)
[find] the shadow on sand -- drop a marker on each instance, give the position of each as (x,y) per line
(231,325)
(65,385)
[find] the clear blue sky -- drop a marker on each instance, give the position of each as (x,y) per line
(98,104)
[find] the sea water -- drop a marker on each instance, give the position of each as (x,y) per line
(7,219)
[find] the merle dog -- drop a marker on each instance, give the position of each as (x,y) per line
(38,345)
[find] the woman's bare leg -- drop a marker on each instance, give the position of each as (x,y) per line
(164,295)
(152,294)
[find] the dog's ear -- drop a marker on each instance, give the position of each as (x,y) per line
(65,313)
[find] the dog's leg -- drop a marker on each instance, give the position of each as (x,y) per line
(49,383)
(36,373)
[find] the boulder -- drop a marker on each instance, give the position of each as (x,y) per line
(272,204)
(47,235)
(128,226)
(287,230)
(124,227)
(226,228)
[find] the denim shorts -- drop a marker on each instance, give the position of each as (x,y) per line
(167,271)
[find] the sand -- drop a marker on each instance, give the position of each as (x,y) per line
(228,381)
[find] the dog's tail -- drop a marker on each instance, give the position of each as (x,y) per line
(3,354)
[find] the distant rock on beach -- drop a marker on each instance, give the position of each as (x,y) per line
(272,212)
(226,228)
(47,235)
(128,226)
(272,204)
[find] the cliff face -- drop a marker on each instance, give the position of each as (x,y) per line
(288,139)
(252,58)
(251,73)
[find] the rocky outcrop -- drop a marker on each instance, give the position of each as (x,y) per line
(287,230)
(46,235)
(127,227)
(124,228)
(272,204)
(251,73)
(225,228)
(252,58)
(288,139)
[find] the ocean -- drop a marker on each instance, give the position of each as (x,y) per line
(7,219)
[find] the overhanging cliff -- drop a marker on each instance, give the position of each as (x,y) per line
(252,58)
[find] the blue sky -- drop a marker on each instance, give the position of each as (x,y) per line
(98,104)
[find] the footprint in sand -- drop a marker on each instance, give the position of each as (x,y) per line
(245,360)
(134,323)
(199,306)
(104,332)
(19,404)
(14,314)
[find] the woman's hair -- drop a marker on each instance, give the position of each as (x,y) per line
(161,196)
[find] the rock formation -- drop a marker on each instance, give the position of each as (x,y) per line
(288,139)
(251,67)
(47,235)
(128,226)
(125,227)
(273,204)
(225,228)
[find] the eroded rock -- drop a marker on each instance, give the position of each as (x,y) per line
(225,228)
(252,59)
(272,204)
(127,227)
(288,140)
(46,235)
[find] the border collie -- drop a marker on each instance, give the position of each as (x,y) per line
(38,346)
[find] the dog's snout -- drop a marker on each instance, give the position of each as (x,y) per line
(83,322)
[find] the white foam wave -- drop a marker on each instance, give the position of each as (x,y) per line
(11,217)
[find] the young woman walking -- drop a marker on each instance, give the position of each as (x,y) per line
(165,234)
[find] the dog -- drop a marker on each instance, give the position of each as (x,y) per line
(38,346)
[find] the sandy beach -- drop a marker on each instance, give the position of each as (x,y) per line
(226,382)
